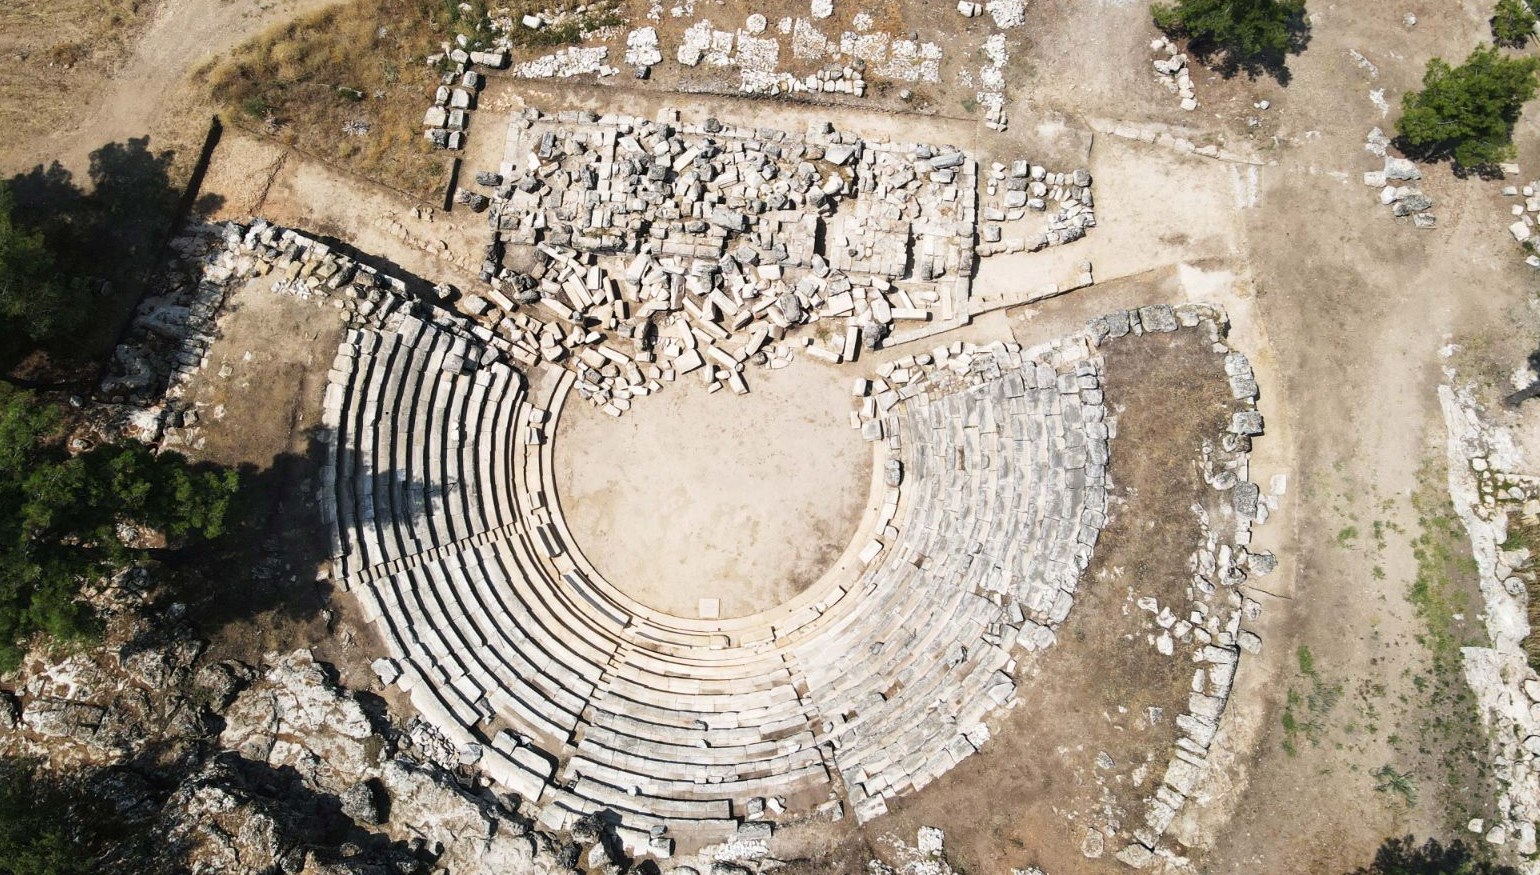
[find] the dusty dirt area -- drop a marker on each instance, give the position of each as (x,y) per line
(259,402)
(251,177)
(135,84)
(697,495)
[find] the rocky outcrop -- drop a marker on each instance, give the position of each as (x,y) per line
(1507,689)
(295,718)
(223,768)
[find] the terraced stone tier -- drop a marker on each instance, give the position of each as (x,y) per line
(989,496)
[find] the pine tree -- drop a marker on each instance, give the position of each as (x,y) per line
(1246,32)
(1468,112)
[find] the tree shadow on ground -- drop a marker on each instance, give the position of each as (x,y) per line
(1530,391)
(1404,856)
(107,230)
(266,583)
(261,576)
(1435,153)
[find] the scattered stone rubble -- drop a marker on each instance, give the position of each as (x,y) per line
(1393,181)
(991,94)
(758,61)
(1209,626)
(454,99)
(927,856)
(168,341)
(755,51)
(222,767)
(170,338)
(1172,71)
(758,53)
(1014,191)
(1523,210)
(568,62)
(652,249)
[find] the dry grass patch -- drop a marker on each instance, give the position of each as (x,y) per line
(349,84)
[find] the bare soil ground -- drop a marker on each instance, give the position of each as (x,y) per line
(64,50)
(253,176)
(692,495)
(259,402)
(134,81)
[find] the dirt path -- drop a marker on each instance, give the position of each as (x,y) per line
(151,94)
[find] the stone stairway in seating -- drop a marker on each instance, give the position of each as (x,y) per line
(439,489)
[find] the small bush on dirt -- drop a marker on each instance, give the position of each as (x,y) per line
(1250,34)
(1468,112)
(67,54)
(1513,23)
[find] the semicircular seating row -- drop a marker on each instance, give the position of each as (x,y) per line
(441,496)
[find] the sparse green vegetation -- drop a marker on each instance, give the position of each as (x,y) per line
(1468,112)
(1305,713)
(1306,661)
(567,31)
(1442,552)
(1388,780)
(1442,751)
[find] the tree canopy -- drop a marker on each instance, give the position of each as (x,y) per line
(65,519)
(1468,112)
(37,825)
(1249,33)
(37,299)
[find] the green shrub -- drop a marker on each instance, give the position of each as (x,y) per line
(1513,23)
(41,824)
(256,106)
